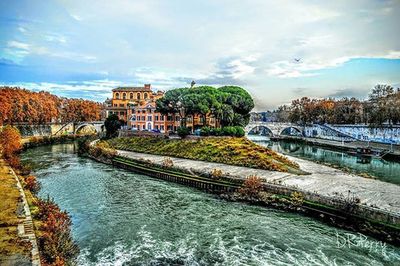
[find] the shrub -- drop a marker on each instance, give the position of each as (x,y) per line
(216,173)
(10,142)
(167,162)
(183,131)
(102,150)
(55,243)
(217,131)
(229,131)
(297,198)
(32,184)
(239,131)
(205,131)
(251,187)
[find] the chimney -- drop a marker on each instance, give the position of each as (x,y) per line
(147,86)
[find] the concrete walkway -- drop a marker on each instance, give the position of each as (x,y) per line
(324,180)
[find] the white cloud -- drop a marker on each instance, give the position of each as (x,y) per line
(76,17)
(18,45)
(55,38)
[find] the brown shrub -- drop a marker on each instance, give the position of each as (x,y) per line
(32,184)
(216,173)
(251,187)
(167,162)
(297,198)
(10,141)
(56,243)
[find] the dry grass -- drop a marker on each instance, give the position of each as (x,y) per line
(234,151)
(10,244)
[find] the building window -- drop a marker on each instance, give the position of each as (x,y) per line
(115,105)
(149,126)
(138,118)
(169,118)
(131,95)
(121,105)
(143,118)
(161,117)
(157,127)
(117,95)
(143,127)
(149,118)
(121,113)
(138,96)
(161,127)
(145,95)
(177,118)
(124,96)
(133,118)
(156,117)
(169,127)
(144,111)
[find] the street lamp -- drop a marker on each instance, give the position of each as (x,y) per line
(212,109)
(181,110)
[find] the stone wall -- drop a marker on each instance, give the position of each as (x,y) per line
(27,130)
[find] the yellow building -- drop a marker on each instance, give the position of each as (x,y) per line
(137,107)
(124,100)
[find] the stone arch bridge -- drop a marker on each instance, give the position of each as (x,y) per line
(274,129)
(78,127)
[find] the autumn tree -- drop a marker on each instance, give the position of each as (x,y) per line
(10,145)
(22,106)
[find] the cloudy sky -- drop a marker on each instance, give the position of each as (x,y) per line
(83,49)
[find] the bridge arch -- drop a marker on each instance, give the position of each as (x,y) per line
(260,130)
(291,131)
(86,128)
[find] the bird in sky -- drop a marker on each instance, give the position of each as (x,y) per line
(297,60)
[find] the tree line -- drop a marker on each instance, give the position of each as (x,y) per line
(381,108)
(19,105)
(231,105)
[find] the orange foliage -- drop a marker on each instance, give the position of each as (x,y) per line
(32,184)
(10,144)
(23,106)
(56,243)
(251,187)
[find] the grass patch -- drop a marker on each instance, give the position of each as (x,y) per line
(10,243)
(228,150)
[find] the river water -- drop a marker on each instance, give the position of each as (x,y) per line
(124,218)
(388,171)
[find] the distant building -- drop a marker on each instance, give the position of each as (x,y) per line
(137,107)
(267,116)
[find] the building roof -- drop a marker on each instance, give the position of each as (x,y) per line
(132,89)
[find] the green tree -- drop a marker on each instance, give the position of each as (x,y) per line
(230,104)
(112,124)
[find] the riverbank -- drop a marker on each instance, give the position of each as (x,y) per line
(13,250)
(45,233)
(352,202)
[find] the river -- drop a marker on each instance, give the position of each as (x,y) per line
(387,171)
(124,218)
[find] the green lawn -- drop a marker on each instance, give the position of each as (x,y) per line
(228,150)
